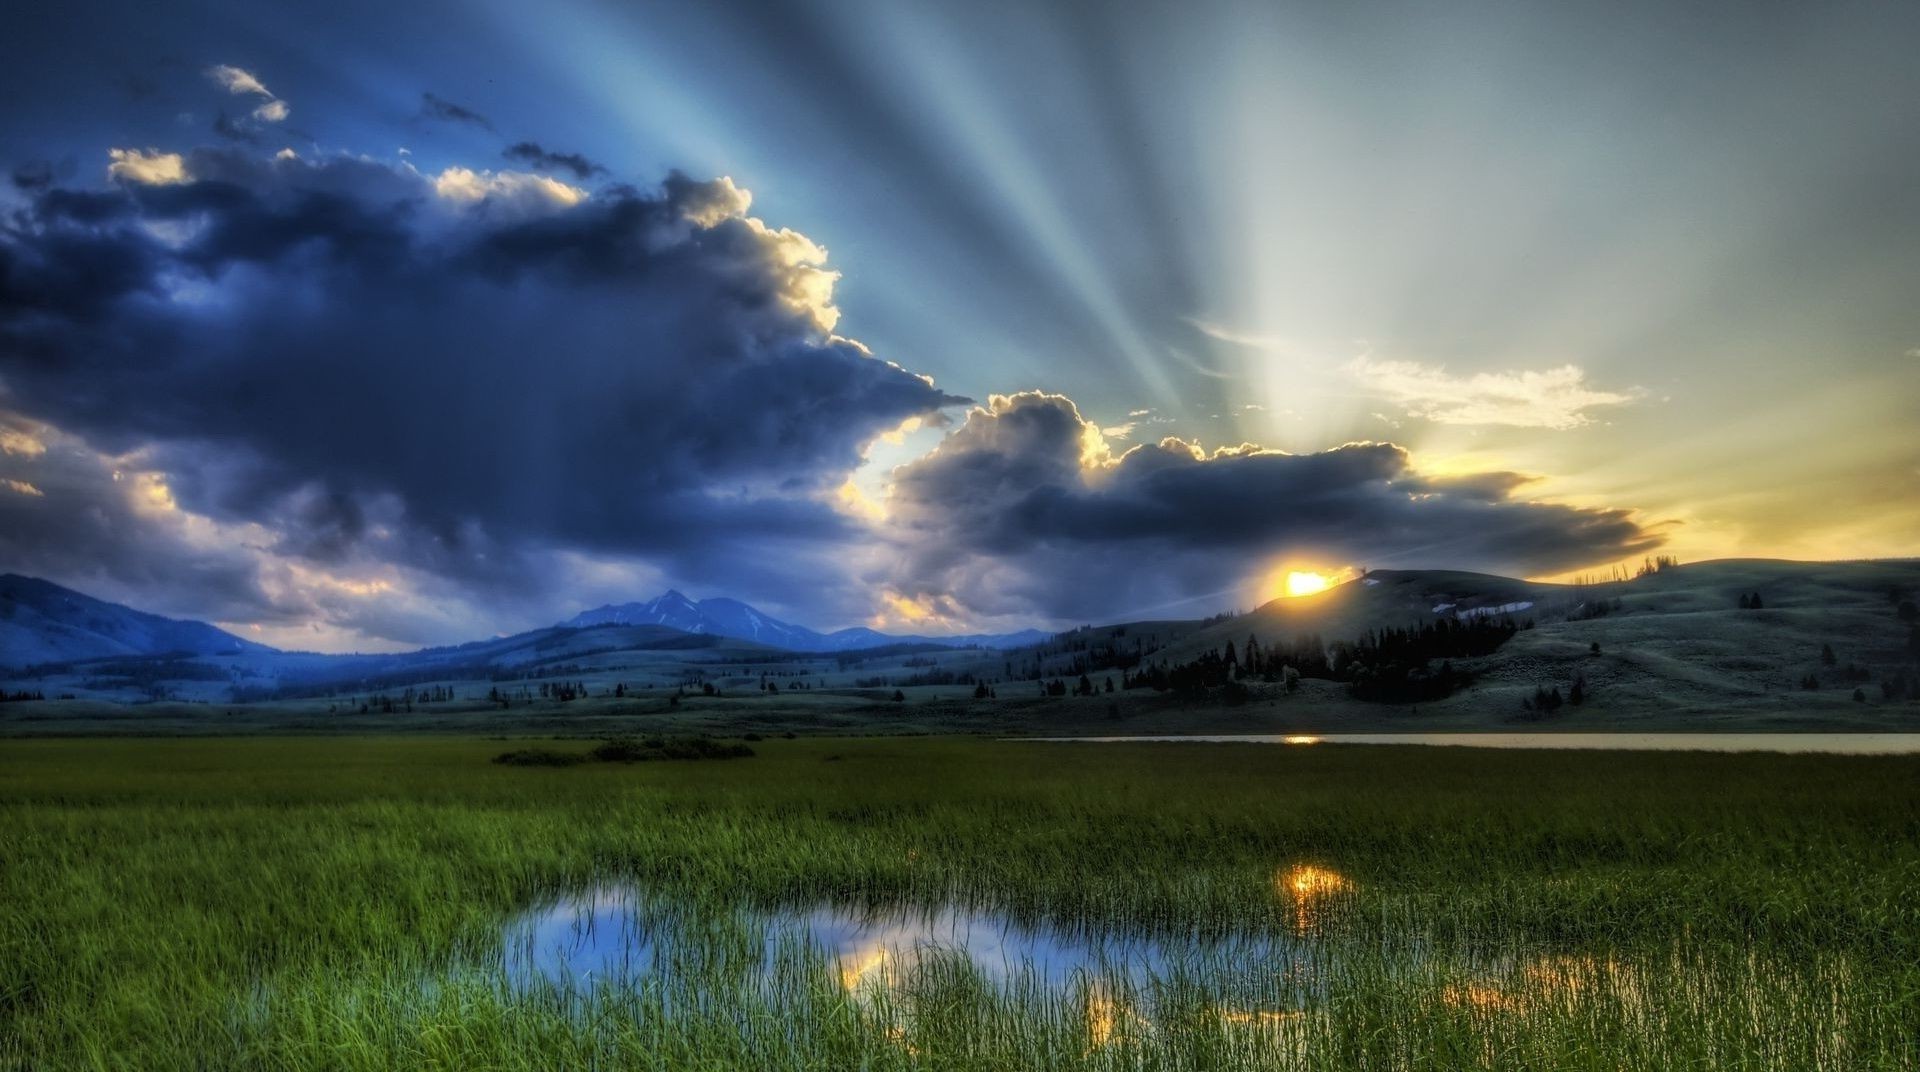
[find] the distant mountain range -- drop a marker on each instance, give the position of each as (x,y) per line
(720,616)
(41,622)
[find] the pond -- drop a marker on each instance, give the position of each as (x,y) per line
(1882,744)
(910,973)
(621,936)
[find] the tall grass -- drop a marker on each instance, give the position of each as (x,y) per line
(283,903)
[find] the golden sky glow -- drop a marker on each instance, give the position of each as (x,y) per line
(1304,583)
(1293,580)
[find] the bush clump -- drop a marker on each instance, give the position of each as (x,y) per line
(628,750)
(539,757)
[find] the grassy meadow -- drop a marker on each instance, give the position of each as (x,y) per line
(338,902)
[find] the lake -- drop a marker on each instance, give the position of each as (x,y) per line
(1862,744)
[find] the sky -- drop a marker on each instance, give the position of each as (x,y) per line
(368,326)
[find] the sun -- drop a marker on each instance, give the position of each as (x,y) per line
(1291,580)
(1303,583)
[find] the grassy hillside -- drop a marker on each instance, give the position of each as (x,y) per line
(1672,642)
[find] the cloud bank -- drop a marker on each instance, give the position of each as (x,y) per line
(1025,506)
(462,374)
(348,400)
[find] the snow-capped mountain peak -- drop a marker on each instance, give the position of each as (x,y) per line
(721,616)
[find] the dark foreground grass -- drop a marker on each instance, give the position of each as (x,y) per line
(337,903)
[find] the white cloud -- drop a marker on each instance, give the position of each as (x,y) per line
(1119,431)
(1556,398)
(513,188)
(151,167)
(242,82)
(22,487)
(20,437)
(237,80)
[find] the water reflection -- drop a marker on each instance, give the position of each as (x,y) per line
(616,935)
(904,969)
(1544,982)
(1310,889)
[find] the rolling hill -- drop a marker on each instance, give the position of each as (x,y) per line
(41,622)
(1675,641)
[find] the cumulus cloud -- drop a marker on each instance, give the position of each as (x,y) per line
(150,167)
(499,191)
(445,111)
(114,525)
(464,375)
(109,523)
(531,154)
(272,111)
(1026,509)
(406,407)
(1557,398)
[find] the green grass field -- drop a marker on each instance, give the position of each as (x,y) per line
(286,902)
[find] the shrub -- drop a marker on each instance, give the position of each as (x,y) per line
(627,750)
(539,757)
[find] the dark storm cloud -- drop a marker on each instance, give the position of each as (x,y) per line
(235,129)
(32,175)
(67,512)
(539,159)
(432,107)
(1022,509)
(452,373)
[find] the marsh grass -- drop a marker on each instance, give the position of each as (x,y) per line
(300,903)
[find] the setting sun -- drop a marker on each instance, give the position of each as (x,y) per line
(1301,583)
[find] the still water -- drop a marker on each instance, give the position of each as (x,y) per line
(910,970)
(1861,744)
(620,937)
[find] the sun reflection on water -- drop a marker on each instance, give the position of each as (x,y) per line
(1308,881)
(1309,886)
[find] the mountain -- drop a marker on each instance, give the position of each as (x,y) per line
(720,616)
(41,622)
